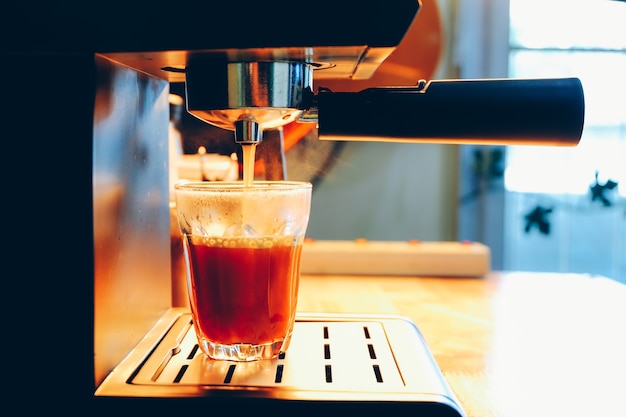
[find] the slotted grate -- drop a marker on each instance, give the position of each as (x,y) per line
(322,355)
(331,358)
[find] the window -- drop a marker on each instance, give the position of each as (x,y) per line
(565,208)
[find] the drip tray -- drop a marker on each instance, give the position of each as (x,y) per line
(333,358)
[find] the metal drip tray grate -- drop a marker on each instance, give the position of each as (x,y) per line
(331,358)
(323,355)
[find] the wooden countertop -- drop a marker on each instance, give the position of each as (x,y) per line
(509,344)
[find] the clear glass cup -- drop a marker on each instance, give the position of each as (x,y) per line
(242,249)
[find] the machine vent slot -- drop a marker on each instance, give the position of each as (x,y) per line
(180,373)
(326,351)
(279,374)
(229,374)
(366,332)
(379,377)
(329,373)
(325,332)
(370,348)
(193,352)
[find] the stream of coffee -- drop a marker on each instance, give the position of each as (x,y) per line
(249,151)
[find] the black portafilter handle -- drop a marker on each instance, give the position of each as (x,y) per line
(489,111)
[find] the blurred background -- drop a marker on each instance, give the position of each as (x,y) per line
(537,208)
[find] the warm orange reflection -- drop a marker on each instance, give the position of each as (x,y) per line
(416,57)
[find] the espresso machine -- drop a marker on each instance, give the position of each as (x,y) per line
(89,91)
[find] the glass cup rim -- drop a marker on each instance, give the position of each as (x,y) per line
(238,186)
